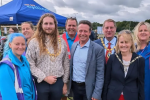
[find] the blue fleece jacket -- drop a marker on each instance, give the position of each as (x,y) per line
(7,79)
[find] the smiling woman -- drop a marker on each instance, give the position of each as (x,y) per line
(124,71)
(13,30)
(142,36)
(15,77)
(125,42)
(16,43)
(27,29)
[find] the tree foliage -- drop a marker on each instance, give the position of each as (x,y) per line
(121,25)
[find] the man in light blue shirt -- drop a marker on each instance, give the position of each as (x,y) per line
(79,62)
(86,66)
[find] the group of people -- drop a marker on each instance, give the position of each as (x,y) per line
(44,65)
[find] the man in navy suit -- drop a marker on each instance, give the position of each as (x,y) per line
(86,66)
(109,30)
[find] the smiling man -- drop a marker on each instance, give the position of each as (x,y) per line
(86,66)
(109,41)
(71,35)
(48,59)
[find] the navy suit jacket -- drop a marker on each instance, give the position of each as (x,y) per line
(132,85)
(94,70)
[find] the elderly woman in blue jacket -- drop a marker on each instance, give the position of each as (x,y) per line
(16,82)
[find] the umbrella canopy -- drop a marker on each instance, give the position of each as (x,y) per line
(18,11)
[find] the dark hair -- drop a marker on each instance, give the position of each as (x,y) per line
(87,23)
(72,18)
(15,29)
(30,23)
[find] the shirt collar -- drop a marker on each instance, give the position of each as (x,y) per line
(69,37)
(113,41)
(87,43)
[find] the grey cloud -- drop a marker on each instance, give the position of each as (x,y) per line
(128,3)
(100,10)
(85,7)
(3,2)
(46,4)
(141,15)
(59,3)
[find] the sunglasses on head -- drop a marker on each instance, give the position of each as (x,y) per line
(125,31)
(74,18)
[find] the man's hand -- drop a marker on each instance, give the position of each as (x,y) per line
(94,98)
(50,79)
(65,89)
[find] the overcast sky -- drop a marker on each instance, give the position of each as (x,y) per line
(99,10)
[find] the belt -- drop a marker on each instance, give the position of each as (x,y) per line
(80,84)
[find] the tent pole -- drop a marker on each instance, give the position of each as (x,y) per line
(17,25)
(0,31)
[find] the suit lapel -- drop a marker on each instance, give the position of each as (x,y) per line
(89,56)
(73,49)
(115,44)
(72,54)
(120,56)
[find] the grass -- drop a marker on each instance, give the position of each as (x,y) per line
(71,98)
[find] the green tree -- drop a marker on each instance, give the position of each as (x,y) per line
(95,24)
(148,20)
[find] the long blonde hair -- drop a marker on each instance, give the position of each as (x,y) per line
(136,31)
(128,36)
(40,34)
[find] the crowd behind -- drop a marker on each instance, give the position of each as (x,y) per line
(43,65)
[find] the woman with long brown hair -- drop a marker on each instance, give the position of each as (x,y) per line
(48,59)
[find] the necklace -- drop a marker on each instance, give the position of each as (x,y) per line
(124,65)
(106,47)
(54,55)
